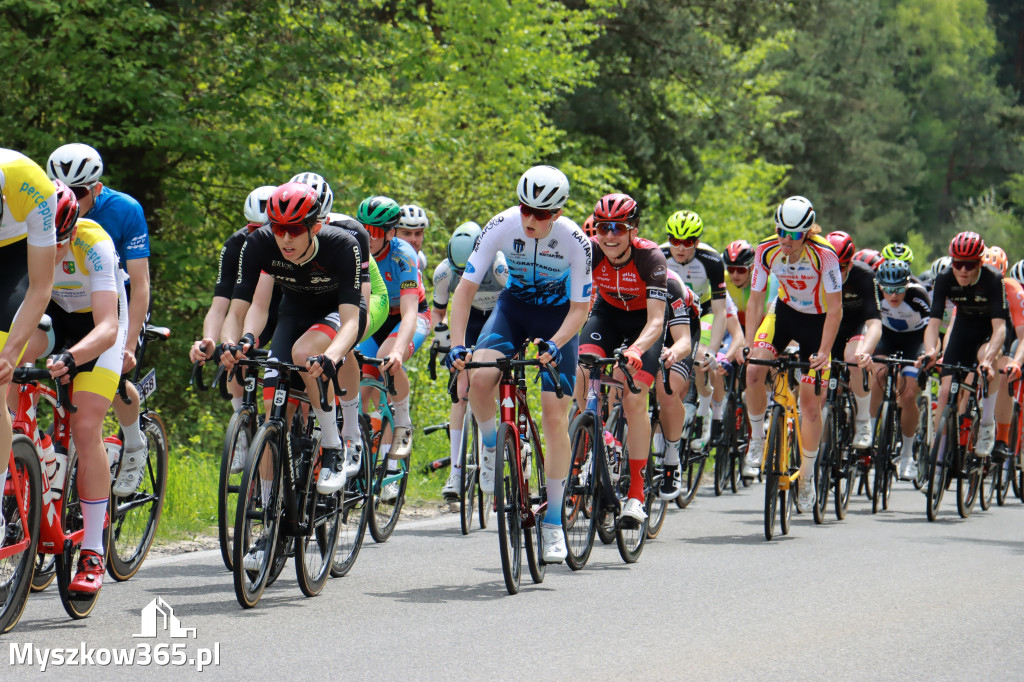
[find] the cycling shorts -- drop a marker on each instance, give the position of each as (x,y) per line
(375,316)
(783,326)
(847,333)
(684,367)
(910,344)
(965,339)
(477,319)
(14,284)
(388,329)
(512,322)
(101,375)
(292,323)
(608,329)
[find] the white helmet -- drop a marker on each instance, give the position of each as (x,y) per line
(461,245)
(323,190)
(413,218)
(256,205)
(543,187)
(795,213)
(76,165)
(941,263)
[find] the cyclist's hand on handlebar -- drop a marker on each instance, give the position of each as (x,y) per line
(634,361)
(127,361)
(1012,371)
(321,364)
(62,366)
(202,350)
(863,360)
(394,362)
(926,361)
(819,361)
(986,367)
(548,351)
(668,357)
(457,358)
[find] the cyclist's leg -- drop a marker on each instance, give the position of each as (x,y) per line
(555,419)
(400,403)
(769,337)
(863,423)
(594,339)
(457,413)
(634,406)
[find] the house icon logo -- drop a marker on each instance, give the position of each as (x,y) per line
(158,615)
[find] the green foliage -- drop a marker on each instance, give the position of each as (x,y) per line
(997,224)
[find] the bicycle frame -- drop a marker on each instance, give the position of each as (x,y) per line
(515,411)
(787,399)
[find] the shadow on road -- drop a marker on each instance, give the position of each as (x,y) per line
(442,594)
(735,539)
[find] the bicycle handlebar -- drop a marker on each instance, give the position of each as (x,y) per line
(31,375)
(386,378)
(789,363)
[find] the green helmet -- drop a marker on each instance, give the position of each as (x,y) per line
(684,225)
(382,212)
(898,251)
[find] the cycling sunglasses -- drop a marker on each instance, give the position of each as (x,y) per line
(538,213)
(894,290)
(376,232)
(967,265)
(614,228)
(688,243)
(790,234)
(82,191)
(294,229)
(738,269)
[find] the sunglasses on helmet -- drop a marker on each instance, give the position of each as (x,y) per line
(687,243)
(967,265)
(538,213)
(614,228)
(790,234)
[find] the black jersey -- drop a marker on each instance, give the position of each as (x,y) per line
(982,301)
(329,278)
(362,237)
(860,302)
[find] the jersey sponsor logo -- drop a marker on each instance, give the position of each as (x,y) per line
(39,199)
(552,254)
(518,245)
(470,269)
(279,264)
(319,280)
(586,289)
(137,242)
(657,294)
(498,270)
(387,276)
(409,285)
(553,243)
(658,272)
(69,267)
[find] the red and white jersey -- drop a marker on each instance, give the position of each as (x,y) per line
(804,282)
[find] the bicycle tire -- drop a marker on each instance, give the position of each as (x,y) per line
(227,488)
(773,447)
(45,571)
(786,497)
(693,471)
(314,551)
(355,514)
(938,462)
(256,520)
(967,485)
(630,539)
(384,513)
(823,467)
(579,520)
(881,457)
(134,518)
(468,477)
(921,444)
(989,481)
(657,507)
(537,491)
(78,605)
(507,500)
(17,570)
(1004,477)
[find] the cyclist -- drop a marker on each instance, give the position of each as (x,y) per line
(318,268)
(88,309)
(588,227)
(897,251)
(1017,271)
(979,296)
(700,267)
(447,276)
(545,299)
(407,323)
(80,167)
(412,226)
(869,256)
(28,204)
(859,331)
(904,307)
(808,311)
(629,275)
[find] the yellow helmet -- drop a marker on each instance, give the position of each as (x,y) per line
(684,225)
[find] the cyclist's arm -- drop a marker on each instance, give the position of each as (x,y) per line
(348,333)
(40,284)
(138,306)
(717,324)
(654,327)
(259,309)
(995,344)
(833,317)
(408,304)
(214,319)
(738,342)
(931,336)
(872,334)
(680,347)
(437,315)
(574,320)
(755,314)
(458,318)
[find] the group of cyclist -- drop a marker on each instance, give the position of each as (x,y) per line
(317,286)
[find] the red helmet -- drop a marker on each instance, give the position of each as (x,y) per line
(294,203)
(843,244)
(588,226)
(618,208)
(869,256)
(967,246)
(67,211)
(739,254)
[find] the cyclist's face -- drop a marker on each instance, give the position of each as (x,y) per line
(894,299)
(964,276)
(615,245)
(378,238)
(535,228)
(413,237)
(683,254)
(294,249)
(739,277)
(791,247)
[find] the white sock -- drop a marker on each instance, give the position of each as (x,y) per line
(266,485)
(93,512)
(672,453)
(350,420)
(717,409)
(908,445)
(756,426)
(329,437)
(988,405)
(133,439)
(863,406)
(807,464)
(703,405)
(456,450)
(401,408)
(236,403)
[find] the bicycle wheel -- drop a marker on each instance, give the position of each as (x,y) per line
(355,515)
(536,488)
(257,518)
(1004,475)
(579,520)
(469,473)
(823,467)
(787,497)
(921,439)
(314,551)
(882,459)
(773,450)
(938,461)
(385,512)
(45,571)
(78,605)
(507,502)
(967,484)
(21,531)
(135,517)
(693,469)
(238,435)
(989,482)
(657,508)
(630,536)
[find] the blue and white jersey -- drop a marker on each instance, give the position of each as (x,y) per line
(909,316)
(486,297)
(548,272)
(121,217)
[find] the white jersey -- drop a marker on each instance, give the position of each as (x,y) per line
(486,297)
(89,265)
(547,272)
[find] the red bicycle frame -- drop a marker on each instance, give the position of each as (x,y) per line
(515,411)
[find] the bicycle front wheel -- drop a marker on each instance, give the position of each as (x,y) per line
(823,467)
(883,458)
(579,516)
(629,535)
(355,515)
(773,450)
(989,481)
(388,488)
(536,491)
(22,529)
(470,470)
(969,480)
(657,507)
(239,434)
(78,605)
(135,517)
(314,551)
(257,517)
(507,501)
(945,442)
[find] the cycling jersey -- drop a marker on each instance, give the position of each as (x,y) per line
(911,315)
(981,301)
(421,261)
(545,272)
(803,284)
(704,273)
(227,275)
(30,201)
(740,296)
(121,217)
(398,266)
(1015,303)
(329,277)
(859,295)
(682,302)
(629,286)
(377,306)
(486,297)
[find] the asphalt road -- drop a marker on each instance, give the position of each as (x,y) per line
(875,596)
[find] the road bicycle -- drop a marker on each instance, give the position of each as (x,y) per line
(1009,474)
(731,447)
(278,497)
(60,526)
(692,462)
(888,436)
(837,462)
(520,496)
(952,455)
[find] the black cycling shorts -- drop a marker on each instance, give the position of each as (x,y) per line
(609,328)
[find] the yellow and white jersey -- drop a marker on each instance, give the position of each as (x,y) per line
(89,265)
(29,201)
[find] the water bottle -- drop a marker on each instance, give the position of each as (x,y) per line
(47,457)
(441,335)
(113,446)
(60,469)
(527,453)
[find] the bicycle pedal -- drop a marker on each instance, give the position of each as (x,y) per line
(627,523)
